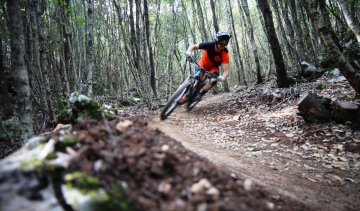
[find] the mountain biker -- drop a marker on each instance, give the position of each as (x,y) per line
(214,55)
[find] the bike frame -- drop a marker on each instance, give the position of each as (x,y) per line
(191,87)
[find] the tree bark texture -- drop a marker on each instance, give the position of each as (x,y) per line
(4,95)
(90,47)
(21,74)
(237,55)
(150,49)
(355,28)
(202,20)
(214,17)
(299,44)
(246,10)
(43,58)
(282,79)
(351,73)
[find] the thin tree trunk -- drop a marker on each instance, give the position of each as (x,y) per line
(67,44)
(286,36)
(282,79)
(299,44)
(61,57)
(327,22)
(213,11)
(246,60)
(350,73)
(4,95)
(240,66)
(349,20)
(311,36)
(21,74)
(201,19)
(188,23)
(44,62)
(90,47)
(151,56)
(252,40)
(171,50)
(35,16)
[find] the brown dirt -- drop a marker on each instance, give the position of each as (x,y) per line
(252,148)
(158,173)
(255,137)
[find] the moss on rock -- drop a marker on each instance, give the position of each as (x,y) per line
(81,181)
(85,193)
(32,165)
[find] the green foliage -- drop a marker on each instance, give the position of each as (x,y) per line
(81,21)
(84,107)
(115,200)
(81,181)
(64,116)
(69,140)
(66,141)
(32,165)
(9,129)
(320,86)
(51,156)
(109,112)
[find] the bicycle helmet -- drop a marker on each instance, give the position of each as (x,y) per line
(221,35)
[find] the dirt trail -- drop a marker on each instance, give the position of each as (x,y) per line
(277,169)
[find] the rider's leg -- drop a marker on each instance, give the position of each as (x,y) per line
(206,89)
(209,85)
(199,75)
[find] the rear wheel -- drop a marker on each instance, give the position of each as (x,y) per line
(192,104)
(174,100)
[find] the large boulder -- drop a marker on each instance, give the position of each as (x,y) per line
(318,109)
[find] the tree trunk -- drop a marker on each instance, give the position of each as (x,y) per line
(252,40)
(282,79)
(21,74)
(351,23)
(61,56)
(299,44)
(170,53)
(43,59)
(286,36)
(67,44)
(239,64)
(151,56)
(89,48)
(4,95)
(215,20)
(133,36)
(35,16)
(201,19)
(310,36)
(327,22)
(350,73)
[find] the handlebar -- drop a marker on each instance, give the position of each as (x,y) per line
(208,74)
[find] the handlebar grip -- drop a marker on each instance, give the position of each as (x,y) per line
(190,58)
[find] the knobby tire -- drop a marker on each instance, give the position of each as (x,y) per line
(173,102)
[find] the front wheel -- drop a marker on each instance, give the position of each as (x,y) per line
(174,100)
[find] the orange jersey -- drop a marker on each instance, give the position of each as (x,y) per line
(211,58)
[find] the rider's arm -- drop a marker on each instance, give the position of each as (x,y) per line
(226,64)
(226,68)
(193,47)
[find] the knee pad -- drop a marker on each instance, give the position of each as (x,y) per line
(213,81)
